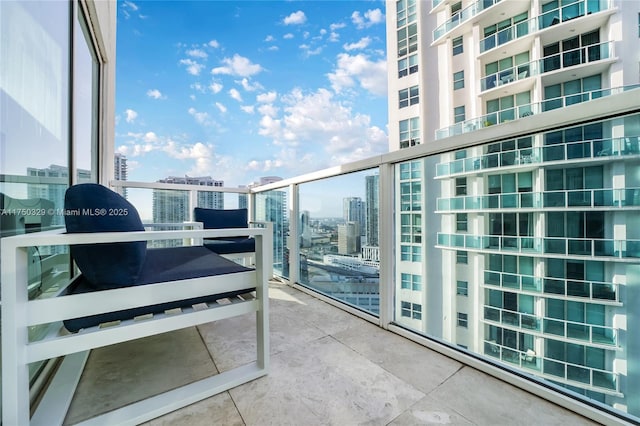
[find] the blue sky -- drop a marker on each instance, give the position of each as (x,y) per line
(237,90)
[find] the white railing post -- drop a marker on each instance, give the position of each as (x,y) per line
(386,243)
(294,235)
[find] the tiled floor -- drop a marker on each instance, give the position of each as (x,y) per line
(327,368)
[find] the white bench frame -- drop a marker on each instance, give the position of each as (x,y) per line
(19,313)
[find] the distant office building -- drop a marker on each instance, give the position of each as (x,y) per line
(354,211)
(305,229)
(349,238)
(49,190)
(120,169)
(372,210)
(271,206)
(170,206)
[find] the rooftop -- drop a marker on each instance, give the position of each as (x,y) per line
(327,367)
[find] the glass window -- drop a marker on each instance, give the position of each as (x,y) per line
(458,80)
(462,257)
(458,114)
(463,320)
(462,288)
(410,132)
(461,186)
(461,222)
(457,46)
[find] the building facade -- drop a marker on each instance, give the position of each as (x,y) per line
(523,247)
(171,206)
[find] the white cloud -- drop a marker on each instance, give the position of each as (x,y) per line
(249,109)
(238,66)
(221,107)
(268,110)
(150,137)
(317,119)
(193,67)
(201,154)
(371,17)
(287,36)
(269,38)
(246,85)
(361,44)
(131,115)
(358,69)
(197,53)
(235,94)
(215,87)
(296,18)
(337,26)
(267,98)
(309,51)
(214,44)
(200,117)
(273,48)
(334,37)
(155,94)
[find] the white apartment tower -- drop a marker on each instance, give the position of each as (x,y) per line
(522,244)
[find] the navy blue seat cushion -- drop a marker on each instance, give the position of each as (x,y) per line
(91,207)
(160,265)
(231,245)
(221,218)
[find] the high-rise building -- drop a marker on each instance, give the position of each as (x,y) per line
(528,241)
(271,206)
(120,169)
(372,207)
(349,238)
(353,210)
(171,206)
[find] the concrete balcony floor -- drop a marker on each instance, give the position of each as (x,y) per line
(328,367)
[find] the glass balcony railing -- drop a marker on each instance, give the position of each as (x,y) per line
(463,16)
(615,198)
(511,318)
(525,359)
(579,374)
(593,149)
(505,35)
(525,110)
(570,58)
(571,11)
(543,245)
(596,334)
(588,290)
(409,260)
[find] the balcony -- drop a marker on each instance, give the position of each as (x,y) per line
(519,112)
(328,367)
(354,344)
(464,15)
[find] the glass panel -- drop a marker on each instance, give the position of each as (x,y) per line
(339,254)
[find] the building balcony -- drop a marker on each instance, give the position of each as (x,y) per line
(593,54)
(573,289)
(378,342)
(520,112)
(579,199)
(464,15)
(597,11)
(571,247)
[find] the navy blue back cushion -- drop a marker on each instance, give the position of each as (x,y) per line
(91,207)
(219,219)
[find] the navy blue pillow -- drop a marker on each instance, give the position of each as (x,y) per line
(220,219)
(91,207)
